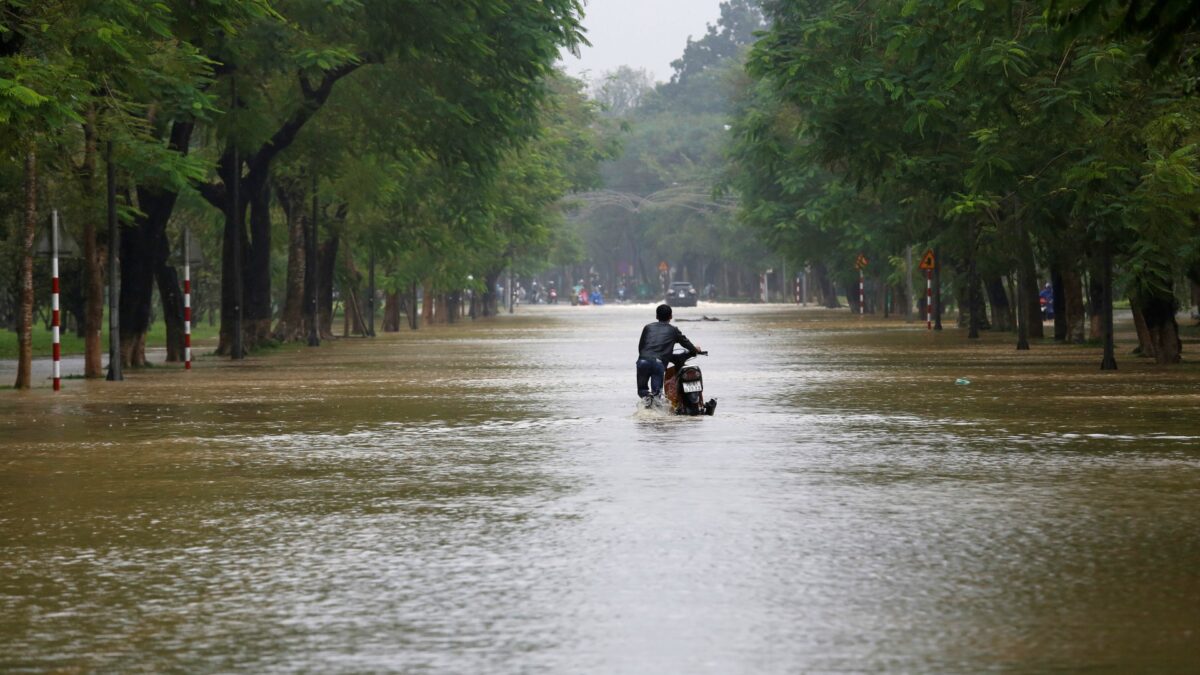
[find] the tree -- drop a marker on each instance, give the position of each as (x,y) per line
(480,61)
(1165,23)
(35,94)
(722,41)
(620,91)
(926,109)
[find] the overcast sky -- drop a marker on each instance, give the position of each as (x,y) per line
(646,34)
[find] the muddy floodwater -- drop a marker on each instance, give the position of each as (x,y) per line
(483,499)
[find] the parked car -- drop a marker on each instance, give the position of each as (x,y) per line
(681,294)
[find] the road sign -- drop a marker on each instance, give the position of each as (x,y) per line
(861,261)
(927,262)
(663,266)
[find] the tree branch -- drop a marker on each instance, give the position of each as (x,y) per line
(314,98)
(213,194)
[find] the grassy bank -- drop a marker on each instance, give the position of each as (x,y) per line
(72,344)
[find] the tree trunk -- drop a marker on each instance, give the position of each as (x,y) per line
(292,326)
(93,264)
(828,294)
(1096,291)
(230,302)
(137,292)
(391,313)
(25,312)
(978,313)
(414,321)
(257,272)
(453,306)
(491,301)
(1109,362)
(72,297)
(354,303)
(427,304)
(114,264)
(1058,288)
(902,301)
(352,298)
(1145,342)
(1159,312)
(908,285)
(1029,299)
(439,308)
(1002,313)
(962,297)
(172,304)
(1022,311)
(327,261)
(1037,328)
(1025,278)
(974,290)
(937,289)
(1073,301)
(371,295)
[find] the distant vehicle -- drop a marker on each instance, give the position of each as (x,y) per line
(682,294)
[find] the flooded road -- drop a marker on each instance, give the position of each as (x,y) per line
(482,499)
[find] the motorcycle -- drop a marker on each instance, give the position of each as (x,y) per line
(1046,300)
(683,385)
(553,297)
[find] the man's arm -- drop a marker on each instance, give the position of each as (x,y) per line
(642,341)
(687,344)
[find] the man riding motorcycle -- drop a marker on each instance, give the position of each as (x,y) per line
(655,352)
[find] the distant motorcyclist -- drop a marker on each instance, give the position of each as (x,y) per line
(655,351)
(1046,300)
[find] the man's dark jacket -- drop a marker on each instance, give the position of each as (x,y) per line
(659,338)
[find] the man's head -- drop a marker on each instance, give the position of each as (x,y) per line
(663,312)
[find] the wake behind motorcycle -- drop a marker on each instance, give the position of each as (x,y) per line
(683,385)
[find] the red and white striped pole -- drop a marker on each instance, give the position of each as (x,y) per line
(862,293)
(55,316)
(929,299)
(187,303)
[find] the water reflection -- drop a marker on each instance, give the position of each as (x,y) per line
(481,499)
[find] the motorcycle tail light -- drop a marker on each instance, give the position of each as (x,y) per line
(691,376)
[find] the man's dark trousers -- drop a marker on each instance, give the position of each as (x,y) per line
(652,370)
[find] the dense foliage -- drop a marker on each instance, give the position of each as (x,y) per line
(432,139)
(985,131)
